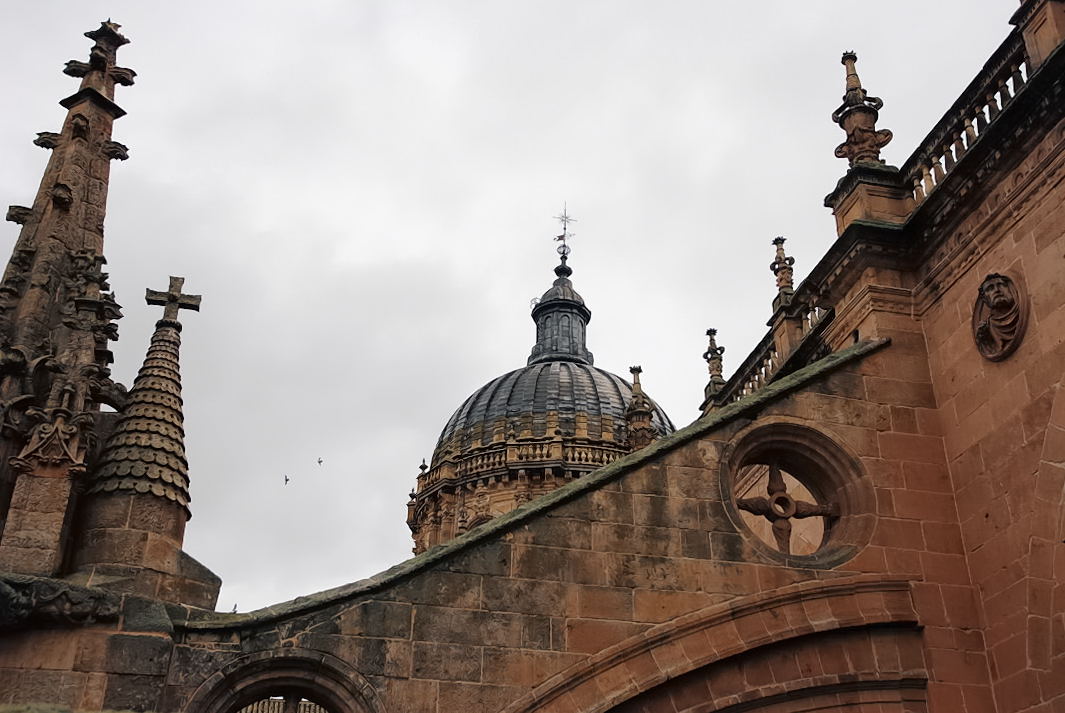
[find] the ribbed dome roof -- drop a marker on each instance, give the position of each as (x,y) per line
(521,401)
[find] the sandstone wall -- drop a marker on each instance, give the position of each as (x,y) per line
(1003,423)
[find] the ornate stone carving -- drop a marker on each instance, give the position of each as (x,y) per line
(19,214)
(60,438)
(24,599)
(638,414)
(113,150)
(782,267)
(103,389)
(13,360)
(62,196)
(1000,317)
(714,364)
(47,139)
(76,68)
(123,76)
(79,126)
(857,116)
(17,385)
(780,507)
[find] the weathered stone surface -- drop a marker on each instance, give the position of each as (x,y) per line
(642,585)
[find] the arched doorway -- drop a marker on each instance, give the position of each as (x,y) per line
(285,681)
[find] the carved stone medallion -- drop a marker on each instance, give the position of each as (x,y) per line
(1000,317)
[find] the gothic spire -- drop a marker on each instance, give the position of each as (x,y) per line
(146,451)
(560,314)
(61,240)
(57,319)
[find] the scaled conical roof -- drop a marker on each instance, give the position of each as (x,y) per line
(146,451)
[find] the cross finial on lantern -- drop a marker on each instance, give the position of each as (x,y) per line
(172,300)
(565,219)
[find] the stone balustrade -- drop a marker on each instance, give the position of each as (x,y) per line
(1002,77)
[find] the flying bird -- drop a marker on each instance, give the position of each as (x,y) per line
(286,480)
(320,461)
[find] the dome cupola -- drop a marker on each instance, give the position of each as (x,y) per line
(561,321)
(533,429)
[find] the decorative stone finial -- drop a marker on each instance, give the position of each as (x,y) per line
(172,300)
(714,363)
(639,402)
(782,268)
(638,414)
(857,116)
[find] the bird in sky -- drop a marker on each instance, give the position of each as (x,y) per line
(320,461)
(286,480)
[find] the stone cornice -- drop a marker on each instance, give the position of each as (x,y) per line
(1026,10)
(870,298)
(862,243)
(869,173)
(90,94)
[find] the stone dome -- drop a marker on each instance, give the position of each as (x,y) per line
(575,398)
(533,429)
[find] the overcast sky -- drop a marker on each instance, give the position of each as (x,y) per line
(363,194)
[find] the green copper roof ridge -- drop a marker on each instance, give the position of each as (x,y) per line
(214,620)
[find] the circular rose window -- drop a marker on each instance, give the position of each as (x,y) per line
(798,493)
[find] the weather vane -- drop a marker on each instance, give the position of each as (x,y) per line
(565,219)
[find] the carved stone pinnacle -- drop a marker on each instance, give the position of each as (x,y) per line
(857,116)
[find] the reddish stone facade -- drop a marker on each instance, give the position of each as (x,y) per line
(907,401)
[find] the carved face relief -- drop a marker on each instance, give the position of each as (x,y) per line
(1000,317)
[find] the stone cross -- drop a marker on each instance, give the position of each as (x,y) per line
(780,508)
(173,300)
